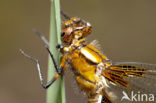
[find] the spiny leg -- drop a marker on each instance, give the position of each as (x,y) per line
(59,46)
(57,75)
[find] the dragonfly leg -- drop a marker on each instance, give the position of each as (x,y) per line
(57,75)
(45,41)
(59,71)
(65,15)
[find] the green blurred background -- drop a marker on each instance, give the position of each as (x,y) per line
(126,30)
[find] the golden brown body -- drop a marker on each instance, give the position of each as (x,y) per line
(93,70)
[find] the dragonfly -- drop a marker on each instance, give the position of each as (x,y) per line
(102,80)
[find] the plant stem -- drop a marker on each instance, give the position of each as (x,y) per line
(56,92)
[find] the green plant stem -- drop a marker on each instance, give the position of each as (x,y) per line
(56,92)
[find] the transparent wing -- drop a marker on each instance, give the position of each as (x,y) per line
(141,78)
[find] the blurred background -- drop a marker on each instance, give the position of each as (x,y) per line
(126,30)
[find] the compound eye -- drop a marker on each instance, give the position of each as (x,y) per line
(62,34)
(75,19)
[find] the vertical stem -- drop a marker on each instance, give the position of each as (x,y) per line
(56,92)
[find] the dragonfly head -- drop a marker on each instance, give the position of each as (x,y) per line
(75,28)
